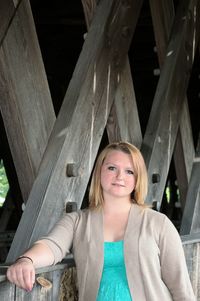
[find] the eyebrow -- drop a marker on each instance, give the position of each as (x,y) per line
(110,163)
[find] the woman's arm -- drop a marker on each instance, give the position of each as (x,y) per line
(47,251)
(22,272)
(173,265)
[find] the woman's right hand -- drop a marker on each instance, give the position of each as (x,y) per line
(22,274)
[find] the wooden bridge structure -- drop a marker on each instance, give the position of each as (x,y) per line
(49,155)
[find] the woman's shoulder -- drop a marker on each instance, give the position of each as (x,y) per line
(156,222)
(151,214)
(77,216)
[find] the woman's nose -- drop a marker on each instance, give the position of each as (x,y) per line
(119,174)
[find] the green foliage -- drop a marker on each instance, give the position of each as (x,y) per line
(4,186)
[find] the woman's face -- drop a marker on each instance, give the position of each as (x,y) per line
(117,175)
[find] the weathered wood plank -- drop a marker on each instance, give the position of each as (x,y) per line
(7,11)
(184,153)
(163,17)
(123,121)
(191,215)
(25,99)
(80,124)
(190,238)
(192,255)
(159,139)
(162,13)
(7,291)
(51,273)
(89,7)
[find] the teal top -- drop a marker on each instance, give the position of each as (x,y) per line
(114,284)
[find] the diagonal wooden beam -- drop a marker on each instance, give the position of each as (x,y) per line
(123,121)
(25,100)
(7,12)
(163,16)
(184,153)
(159,139)
(74,142)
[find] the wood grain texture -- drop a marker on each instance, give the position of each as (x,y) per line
(162,127)
(123,120)
(7,11)
(163,17)
(192,254)
(25,100)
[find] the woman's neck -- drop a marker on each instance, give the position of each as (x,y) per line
(116,206)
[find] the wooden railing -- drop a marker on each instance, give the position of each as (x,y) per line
(191,246)
(53,274)
(8,291)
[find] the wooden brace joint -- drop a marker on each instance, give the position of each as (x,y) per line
(155,178)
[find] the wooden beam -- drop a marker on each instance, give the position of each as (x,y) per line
(80,124)
(25,100)
(191,215)
(184,153)
(159,139)
(7,12)
(162,13)
(89,8)
(192,254)
(123,121)
(190,238)
(163,18)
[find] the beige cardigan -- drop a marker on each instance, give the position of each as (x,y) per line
(154,258)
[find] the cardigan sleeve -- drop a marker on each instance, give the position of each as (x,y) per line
(173,264)
(60,238)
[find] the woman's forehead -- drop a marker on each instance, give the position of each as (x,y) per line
(118,155)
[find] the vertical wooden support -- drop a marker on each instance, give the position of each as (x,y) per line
(25,100)
(164,119)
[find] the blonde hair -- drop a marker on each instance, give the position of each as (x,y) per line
(140,191)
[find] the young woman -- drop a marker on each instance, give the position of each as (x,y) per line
(123,250)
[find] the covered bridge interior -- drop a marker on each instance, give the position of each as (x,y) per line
(76,75)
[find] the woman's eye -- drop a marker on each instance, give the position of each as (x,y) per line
(111,168)
(130,172)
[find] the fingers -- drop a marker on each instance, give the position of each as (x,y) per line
(22,274)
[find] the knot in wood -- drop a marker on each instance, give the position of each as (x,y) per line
(155,178)
(72,170)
